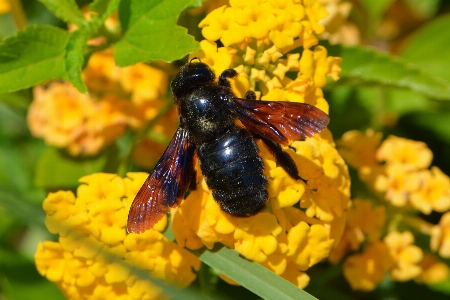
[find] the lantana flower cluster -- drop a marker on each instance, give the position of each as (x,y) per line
(118,98)
(94,258)
(302,221)
(378,237)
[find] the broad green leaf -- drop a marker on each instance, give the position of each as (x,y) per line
(75,59)
(32,56)
(376,8)
(151,32)
(104,8)
(364,66)
(66,10)
(427,48)
(251,275)
(56,169)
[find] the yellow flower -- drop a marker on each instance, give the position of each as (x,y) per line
(144,82)
(397,183)
(434,270)
(433,192)
(255,237)
(101,73)
(364,224)
(359,149)
(411,155)
(440,236)
(406,256)
(366,270)
(94,257)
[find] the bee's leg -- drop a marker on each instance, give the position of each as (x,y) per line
(223,78)
(193,178)
(250,95)
(282,158)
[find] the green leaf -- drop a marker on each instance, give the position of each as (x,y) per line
(75,59)
(56,169)
(22,279)
(66,10)
(364,66)
(104,8)
(251,275)
(151,33)
(32,56)
(21,209)
(427,48)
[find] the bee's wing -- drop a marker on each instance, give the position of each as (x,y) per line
(279,121)
(165,187)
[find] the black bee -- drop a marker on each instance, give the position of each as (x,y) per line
(228,155)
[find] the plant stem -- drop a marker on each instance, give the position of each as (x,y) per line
(19,14)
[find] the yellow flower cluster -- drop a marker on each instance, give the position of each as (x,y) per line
(94,258)
(86,123)
(258,35)
(397,170)
(302,221)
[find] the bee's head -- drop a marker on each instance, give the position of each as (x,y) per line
(191,76)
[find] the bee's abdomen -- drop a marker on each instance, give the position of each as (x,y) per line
(233,171)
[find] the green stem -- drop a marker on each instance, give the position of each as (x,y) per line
(19,14)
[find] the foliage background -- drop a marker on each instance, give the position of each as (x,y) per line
(397,81)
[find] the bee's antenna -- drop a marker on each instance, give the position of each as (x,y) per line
(195,58)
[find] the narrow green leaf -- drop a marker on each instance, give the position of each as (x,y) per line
(75,59)
(427,48)
(66,10)
(151,32)
(104,8)
(21,209)
(32,56)
(364,66)
(251,275)
(56,169)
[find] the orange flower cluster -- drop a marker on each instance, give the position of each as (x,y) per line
(85,123)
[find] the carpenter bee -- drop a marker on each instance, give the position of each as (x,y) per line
(227,152)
